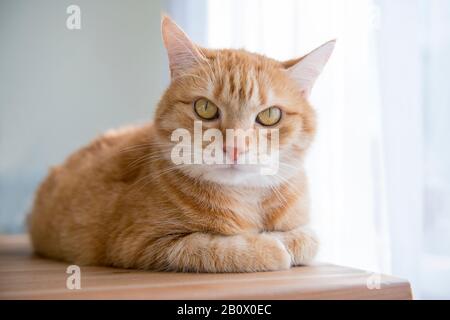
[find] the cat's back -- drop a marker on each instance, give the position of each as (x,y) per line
(103,160)
(73,200)
(110,146)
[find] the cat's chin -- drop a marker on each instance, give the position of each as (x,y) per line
(232,175)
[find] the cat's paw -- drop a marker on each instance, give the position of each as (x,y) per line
(301,243)
(271,254)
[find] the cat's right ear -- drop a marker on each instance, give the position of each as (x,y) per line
(182,52)
(306,69)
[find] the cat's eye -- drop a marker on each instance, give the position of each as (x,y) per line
(205,109)
(269,117)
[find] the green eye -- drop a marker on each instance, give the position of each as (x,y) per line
(205,109)
(269,117)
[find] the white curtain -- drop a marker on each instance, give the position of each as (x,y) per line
(345,168)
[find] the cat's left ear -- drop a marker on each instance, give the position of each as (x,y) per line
(182,52)
(306,69)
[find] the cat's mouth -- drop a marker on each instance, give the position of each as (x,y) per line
(238,167)
(239,171)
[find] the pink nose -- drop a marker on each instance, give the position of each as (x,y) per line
(232,152)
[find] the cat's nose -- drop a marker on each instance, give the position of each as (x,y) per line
(232,152)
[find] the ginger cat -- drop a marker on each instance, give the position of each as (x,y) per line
(121,201)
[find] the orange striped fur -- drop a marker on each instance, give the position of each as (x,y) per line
(121,202)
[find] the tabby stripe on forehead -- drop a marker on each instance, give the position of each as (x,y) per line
(250,88)
(262,93)
(243,83)
(232,84)
(219,86)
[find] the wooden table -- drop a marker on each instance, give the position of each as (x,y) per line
(25,276)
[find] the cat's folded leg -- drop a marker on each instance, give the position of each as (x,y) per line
(203,252)
(302,244)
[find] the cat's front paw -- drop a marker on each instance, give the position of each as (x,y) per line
(271,254)
(301,243)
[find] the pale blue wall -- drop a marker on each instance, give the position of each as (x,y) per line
(60,88)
